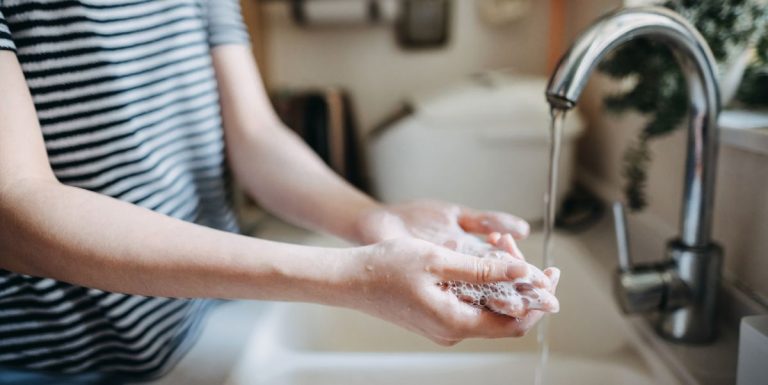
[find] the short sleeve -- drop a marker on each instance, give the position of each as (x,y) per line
(225,23)
(6,43)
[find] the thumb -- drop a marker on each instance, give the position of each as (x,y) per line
(467,268)
(506,243)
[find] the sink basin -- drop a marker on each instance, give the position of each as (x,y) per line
(457,369)
(591,342)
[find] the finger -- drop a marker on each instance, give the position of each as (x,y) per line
(523,324)
(493,238)
(466,268)
(487,324)
(505,243)
(512,306)
(471,245)
(529,320)
(485,222)
(542,300)
(553,274)
(526,297)
(538,278)
(463,320)
(508,244)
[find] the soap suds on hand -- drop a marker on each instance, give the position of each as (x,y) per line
(511,298)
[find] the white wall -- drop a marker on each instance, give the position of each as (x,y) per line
(368,62)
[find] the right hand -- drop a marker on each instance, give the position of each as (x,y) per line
(397,280)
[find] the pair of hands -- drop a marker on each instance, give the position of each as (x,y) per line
(413,252)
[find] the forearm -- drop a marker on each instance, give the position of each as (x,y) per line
(51,230)
(274,165)
(288,179)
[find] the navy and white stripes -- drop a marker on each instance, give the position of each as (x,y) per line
(126,98)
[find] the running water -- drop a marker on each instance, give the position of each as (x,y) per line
(550,203)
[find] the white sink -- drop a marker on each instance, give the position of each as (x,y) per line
(591,342)
(452,369)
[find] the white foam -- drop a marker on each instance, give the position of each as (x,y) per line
(512,298)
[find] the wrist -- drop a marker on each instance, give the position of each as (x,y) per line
(377,224)
(348,281)
(278,271)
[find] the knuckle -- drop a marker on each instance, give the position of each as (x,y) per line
(476,268)
(483,270)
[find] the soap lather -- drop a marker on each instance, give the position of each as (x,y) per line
(511,298)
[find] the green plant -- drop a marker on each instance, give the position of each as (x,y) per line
(754,89)
(658,88)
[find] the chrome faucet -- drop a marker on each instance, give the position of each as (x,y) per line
(682,289)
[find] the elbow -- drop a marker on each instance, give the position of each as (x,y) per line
(21,240)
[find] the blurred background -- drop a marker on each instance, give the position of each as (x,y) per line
(346,78)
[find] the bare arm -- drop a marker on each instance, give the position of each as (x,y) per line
(275,166)
(52,230)
(281,172)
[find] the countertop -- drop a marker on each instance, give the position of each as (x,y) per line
(747,130)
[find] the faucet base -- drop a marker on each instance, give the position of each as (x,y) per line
(689,315)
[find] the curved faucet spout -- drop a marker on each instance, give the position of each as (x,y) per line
(698,65)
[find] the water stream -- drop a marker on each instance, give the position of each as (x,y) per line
(550,206)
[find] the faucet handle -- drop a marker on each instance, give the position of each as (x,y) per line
(622,236)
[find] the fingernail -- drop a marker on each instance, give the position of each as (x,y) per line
(516,270)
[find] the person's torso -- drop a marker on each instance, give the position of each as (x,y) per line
(126,98)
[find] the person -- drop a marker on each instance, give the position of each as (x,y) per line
(119,121)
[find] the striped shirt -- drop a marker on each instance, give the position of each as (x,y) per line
(127,101)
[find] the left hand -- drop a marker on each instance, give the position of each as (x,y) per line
(441,223)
